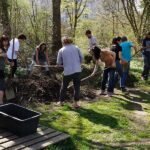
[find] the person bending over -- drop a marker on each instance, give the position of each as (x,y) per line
(40,58)
(108,58)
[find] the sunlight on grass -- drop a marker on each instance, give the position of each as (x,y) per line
(102,122)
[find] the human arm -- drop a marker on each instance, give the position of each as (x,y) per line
(59,59)
(36,55)
(47,58)
(80,55)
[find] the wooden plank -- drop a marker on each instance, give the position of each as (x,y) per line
(5,134)
(47,142)
(27,138)
(35,141)
(3,140)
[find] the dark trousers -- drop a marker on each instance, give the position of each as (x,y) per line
(118,72)
(76,82)
(146,67)
(14,68)
(108,76)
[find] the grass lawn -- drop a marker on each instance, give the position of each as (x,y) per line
(103,123)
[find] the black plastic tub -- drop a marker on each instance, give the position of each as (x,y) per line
(18,120)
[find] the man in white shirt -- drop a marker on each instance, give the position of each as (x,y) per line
(92,40)
(13,51)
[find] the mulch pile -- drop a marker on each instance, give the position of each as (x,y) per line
(43,88)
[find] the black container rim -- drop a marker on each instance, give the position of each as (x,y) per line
(22,120)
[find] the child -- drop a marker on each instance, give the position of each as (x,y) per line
(108,58)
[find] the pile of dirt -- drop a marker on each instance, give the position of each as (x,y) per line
(43,88)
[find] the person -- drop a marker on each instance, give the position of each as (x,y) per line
(4,44)
(70,57)
(40,57)
(125,61)
(13,51)
(92,40)
(118,50)
(108,58)
(146,56)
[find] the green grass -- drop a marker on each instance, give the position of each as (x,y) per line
(99,124)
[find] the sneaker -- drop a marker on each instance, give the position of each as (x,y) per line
(102,92)
(60,103)
(110,94)
(124,90)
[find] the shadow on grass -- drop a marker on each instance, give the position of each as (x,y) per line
(98,118)
(130,104)
(144,96)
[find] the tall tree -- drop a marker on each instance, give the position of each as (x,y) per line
(74,9)
(139,20)
(56,35)
(5,21)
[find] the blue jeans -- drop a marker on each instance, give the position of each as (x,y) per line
(108,76)
(146,68)
(125,75)
(118,72)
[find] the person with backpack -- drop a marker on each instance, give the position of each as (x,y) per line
(40,57)
(125,61)
(70,58)
(108,58)
(13,51)
(146,56)
(4,44)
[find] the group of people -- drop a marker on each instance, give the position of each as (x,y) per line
(9,52)
(116,59)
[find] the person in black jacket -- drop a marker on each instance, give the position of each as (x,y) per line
(118,50)
(146,56)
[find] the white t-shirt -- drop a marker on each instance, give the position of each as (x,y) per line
(92,42)
(10,49)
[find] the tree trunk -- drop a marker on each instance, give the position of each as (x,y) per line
(56,35)
(5,17)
